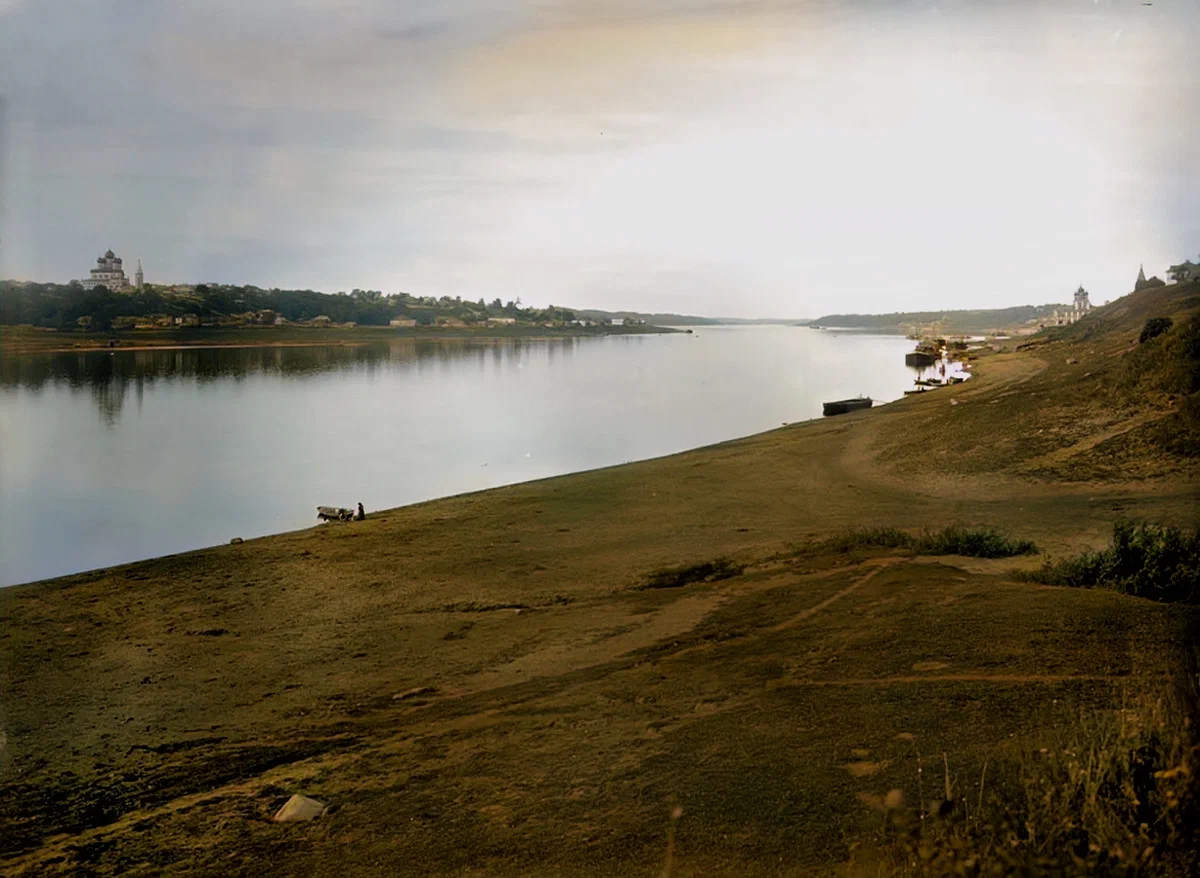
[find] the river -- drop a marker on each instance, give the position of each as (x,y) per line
(107,458)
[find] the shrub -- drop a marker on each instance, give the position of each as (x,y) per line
(974,542)
(708,571)
(868,538)
(979,542)
(1145,560)
(1155,327)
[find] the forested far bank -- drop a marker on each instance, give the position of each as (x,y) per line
(69,306)
(963,320)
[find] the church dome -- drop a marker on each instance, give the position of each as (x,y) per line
(109,255)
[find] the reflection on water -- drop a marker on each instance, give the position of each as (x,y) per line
(111,377)
(112,456)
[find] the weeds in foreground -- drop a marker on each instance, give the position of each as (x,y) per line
(1146,560)
(708,571)
(974,542)
(1114,794)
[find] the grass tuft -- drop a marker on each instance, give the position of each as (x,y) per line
(708,571)
(974,542)
(1146,560)
(1107,795)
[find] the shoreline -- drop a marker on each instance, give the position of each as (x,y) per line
(844,419)
(25,341)
(405,507)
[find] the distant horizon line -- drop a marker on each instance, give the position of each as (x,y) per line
(612,312)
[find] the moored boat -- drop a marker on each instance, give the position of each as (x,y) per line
(920,358)
(841,406)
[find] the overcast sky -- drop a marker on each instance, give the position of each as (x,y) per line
(731,157)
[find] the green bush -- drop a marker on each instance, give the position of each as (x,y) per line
(978,542)
(1146,560)
(1155,327)
(974,542)
(868,538)
(708,571)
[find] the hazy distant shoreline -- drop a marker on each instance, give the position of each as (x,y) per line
(21,340)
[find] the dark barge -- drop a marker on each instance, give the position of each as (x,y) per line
(841,406)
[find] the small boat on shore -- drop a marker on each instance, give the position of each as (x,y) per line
(841,406)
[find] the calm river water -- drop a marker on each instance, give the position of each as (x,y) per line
(111,458)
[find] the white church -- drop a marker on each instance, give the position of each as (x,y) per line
(1081,306)
(110,272)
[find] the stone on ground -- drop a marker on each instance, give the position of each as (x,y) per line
(298,809)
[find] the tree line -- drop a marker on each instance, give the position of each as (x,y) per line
(964,320)
(67,306)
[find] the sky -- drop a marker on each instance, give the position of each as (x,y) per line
(742,158)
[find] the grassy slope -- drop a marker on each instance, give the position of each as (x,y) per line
(157,713)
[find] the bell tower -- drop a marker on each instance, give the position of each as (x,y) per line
(138,277)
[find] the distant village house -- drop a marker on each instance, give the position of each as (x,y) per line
(1184,272)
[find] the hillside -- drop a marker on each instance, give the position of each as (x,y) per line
(510,683)
(67,306)
(969,321)
(661,319)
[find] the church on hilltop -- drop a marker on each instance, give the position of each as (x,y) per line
(1081,306)
(110,273)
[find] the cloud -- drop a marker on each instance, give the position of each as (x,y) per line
(688,155)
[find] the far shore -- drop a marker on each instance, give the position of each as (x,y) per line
(30,340)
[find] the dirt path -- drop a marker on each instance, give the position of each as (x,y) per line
(804,615)
(996,378)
